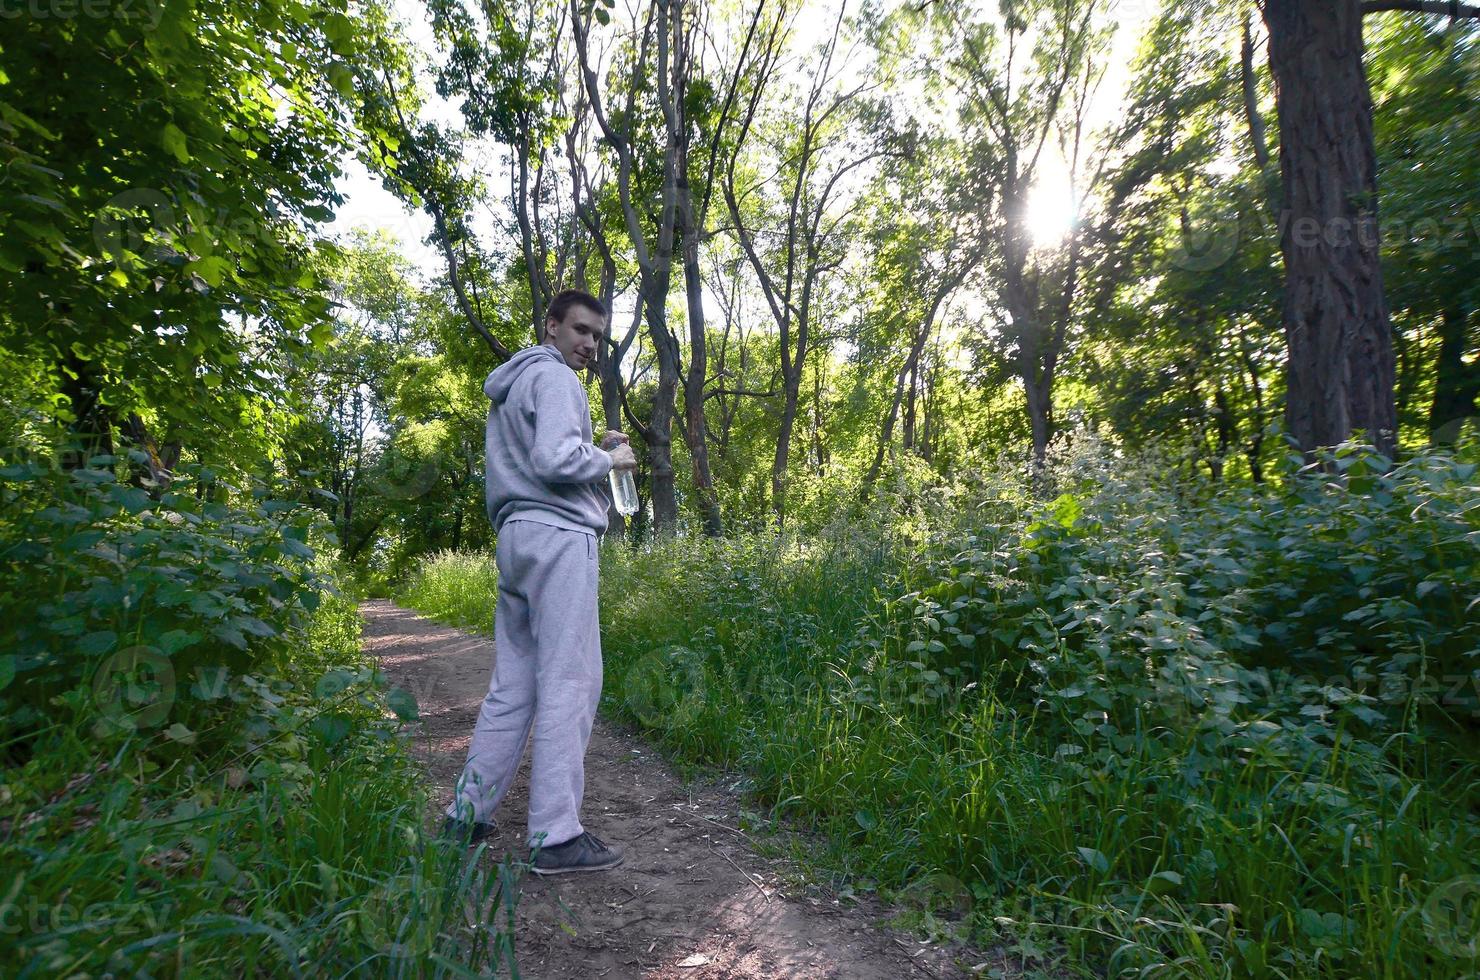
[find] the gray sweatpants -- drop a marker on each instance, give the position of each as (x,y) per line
(546,680)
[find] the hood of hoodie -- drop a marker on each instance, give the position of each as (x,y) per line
(501,379)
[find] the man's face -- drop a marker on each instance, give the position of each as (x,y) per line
(576,336)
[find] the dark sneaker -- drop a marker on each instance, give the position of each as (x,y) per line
(584,853)
(467,832)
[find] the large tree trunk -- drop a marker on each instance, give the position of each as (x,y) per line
(1456,384)
(1340,370)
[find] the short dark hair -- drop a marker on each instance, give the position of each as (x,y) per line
(566,298)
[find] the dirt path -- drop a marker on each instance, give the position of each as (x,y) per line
(693,900)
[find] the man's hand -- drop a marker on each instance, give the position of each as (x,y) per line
(613,438)
(622,457)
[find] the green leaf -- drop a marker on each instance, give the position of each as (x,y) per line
(403,703)
(333,682)
(173,641)
(7,670)
(173,139)
(331,728)
(1094,859)
(132,499)
(1163,883)
(338,29)
(254,626)
(179,733)
(342,79)
(212,268)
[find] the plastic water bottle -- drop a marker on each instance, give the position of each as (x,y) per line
(624,492)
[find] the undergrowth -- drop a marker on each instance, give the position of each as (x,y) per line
(1180,729)
(203,775)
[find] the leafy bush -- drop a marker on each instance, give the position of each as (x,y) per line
(1142,725)
(201,765)
(146,607)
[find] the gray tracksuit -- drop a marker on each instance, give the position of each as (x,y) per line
(546,502)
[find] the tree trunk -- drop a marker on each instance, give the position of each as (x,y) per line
(660,426)
(608,373)
(1456,384)
(912,388)
(819,451)
(886,432)
(157,470)
(1255,448)
(1340,370)
(1040,419)
(1251,100)
(695,430)
(783,455)
(527,232)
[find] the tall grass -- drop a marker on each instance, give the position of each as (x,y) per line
(455,587)
(1177,729)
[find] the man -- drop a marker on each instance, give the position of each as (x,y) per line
(545,499)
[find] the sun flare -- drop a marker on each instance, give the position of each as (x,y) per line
(1052,211)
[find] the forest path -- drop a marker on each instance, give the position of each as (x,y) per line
(692,900)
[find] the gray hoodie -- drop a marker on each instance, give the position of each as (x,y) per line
(541,464)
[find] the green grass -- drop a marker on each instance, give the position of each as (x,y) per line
(455,587)
(1055,726)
